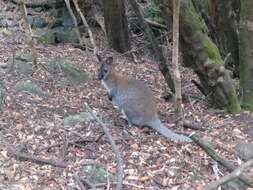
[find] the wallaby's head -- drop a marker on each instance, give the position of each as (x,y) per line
(106,67)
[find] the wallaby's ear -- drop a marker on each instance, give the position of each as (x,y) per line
(99,57)
(109,60)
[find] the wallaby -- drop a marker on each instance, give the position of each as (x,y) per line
(134,99)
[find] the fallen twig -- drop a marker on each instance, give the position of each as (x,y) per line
(79,182)
(207,147)
(235,174)
(36,159)
(114,147)
(73,142)
(191,125)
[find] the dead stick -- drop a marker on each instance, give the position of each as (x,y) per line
(114,148)
(234,175)
(207,147)
(79,182)
(36,159)
(74,20)
(86,26)
(162,63)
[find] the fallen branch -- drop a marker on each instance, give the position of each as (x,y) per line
(207,147)
(73,142)
(234,175)
(39,3)
(86,26)
(192,125)
(114,148)
(36,159)
(156,24)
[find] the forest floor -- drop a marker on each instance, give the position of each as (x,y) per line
(34,126)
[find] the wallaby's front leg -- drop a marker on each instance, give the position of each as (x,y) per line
(110,96)
(124,116)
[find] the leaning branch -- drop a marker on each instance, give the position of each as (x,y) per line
(114,147)
(234,175)
(155,46)
(30,39)
(86,26)
(74,20)
(207,147)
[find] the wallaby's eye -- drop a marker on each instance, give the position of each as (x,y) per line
(105,70)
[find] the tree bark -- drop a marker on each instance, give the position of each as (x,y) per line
(116,25)
(175,58)
(203,56)
(224,17)
(246,53)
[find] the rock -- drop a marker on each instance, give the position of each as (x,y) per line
(67,21)
(36,21)
(71,72)
(245,150)
(57,35)
(22,64)
(5,32)
(250,132)
(66,35)
(31,88)
(83,117)
(99,174)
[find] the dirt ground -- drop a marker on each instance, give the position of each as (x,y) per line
(34,126)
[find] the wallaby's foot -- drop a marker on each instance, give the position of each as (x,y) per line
(126,120)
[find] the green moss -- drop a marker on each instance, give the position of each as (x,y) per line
(247,106)
(193,17)
(153,12)
(211,50)
(233,104)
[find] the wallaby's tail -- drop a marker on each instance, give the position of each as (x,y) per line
(157,125)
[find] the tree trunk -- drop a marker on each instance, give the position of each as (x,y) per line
(175,58)
(246,53)
(203,56)
(116,25)
(224,17)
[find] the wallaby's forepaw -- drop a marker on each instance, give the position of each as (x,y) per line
(110,97)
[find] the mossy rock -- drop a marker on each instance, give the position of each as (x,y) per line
(45,35)
(22,63)
(57,35)
(100,174)
(73,74)
(36,21)
(83,117)
(30,87)
(245,150)
(5,32)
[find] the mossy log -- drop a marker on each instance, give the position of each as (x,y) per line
(203,56)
